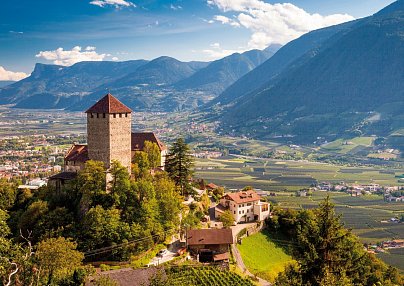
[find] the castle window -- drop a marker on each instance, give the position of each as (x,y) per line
(114,115)
(120,115)
(91,115)
(126,115)
(98,115)
(103,115)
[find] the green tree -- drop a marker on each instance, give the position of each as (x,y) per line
(141,165)
(58,258)
(179,165)
(31,217)
(120,183)
(227,219)
(169,201)
(327,253)
(103,227)
(92,186)
(153,154)
(8,194)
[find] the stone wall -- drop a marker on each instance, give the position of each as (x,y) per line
(120,138)
(109,138)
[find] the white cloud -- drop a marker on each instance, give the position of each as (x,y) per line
(16,32)
(175,8)
(90,48)
(116,3)
(70,57)
(225,20)
(115,59)
(273,23)
(217,52)
(9,75)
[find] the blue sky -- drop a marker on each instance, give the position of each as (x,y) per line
(68,31)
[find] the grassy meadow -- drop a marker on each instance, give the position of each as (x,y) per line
(265,255)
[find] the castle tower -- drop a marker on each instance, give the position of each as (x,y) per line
(109,131)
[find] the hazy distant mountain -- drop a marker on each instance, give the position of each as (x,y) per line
(58,81)
(142,85)
(4,83)
(351,83)
(160,71)
(220,74)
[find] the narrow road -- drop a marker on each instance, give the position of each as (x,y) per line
(237,256)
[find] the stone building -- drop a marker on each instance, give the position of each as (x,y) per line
(109,132)
(109,138)
(245,206)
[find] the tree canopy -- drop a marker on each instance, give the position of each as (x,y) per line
(326,252)
(179,165)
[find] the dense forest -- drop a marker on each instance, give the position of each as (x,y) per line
(47,234)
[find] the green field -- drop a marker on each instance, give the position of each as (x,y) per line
(394,257)
(347,146)
(264,256)
(268,174)
(364,215)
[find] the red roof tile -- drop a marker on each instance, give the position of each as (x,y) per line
(243,197)
(138,139)
(77,153)
(109,104)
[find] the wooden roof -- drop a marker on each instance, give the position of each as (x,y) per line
(109,104)
(64,176)
(209,236)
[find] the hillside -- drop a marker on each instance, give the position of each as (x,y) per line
(4,83)
(353,83)
(276,64)
(220,74)
(163,84)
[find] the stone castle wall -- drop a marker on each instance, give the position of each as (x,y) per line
(120,138)
(109,138)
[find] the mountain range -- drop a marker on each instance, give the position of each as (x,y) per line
(162,84)
(346,80)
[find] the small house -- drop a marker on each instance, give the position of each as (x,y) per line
(210,244)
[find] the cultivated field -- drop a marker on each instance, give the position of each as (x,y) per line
(275,175)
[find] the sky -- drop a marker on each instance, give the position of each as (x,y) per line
(64,32)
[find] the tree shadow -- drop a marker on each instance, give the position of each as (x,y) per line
(280,240)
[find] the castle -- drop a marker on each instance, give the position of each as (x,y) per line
(109,138)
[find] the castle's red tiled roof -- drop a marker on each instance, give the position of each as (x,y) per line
(77,153)
(139,138)
(109,104)
(243,197)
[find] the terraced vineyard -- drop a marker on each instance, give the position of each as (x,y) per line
(205,276)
